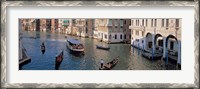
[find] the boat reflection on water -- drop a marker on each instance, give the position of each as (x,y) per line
(59,59)
(80,54)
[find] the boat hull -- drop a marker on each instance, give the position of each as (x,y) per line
(58,60)
(110,64)
(43,49)
(74,50)
(104,48)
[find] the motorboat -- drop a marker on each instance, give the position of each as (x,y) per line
(75,45)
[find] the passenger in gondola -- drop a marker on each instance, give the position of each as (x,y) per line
(109,65)
(74,46)
(101,63)
(112,62)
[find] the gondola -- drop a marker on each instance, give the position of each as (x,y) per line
(102,47)
(110,65)
(43,48)
(59,59)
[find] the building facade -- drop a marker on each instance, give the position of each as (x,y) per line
(157,35)
(81,28)
(63,25)
(28,24)
(96,25)
(37,24)
(126,30)
(73,27)
(48,24)
(54,25)
(113,30)
(89,27)
(43,25)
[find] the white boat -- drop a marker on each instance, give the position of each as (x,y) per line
(102,47)
(75,45)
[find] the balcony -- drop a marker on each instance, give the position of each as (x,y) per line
(109,24)
(140,28)
(121,24)
(80,25)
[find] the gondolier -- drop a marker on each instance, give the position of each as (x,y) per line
(101,61)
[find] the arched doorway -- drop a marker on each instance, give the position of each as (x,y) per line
(158,41)
(171,38)
(172,47)
(149,42)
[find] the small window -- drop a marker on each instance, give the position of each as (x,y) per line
(155,23)
(137,33)
(115,36)
(167,22)
(105,36)
(162,22)
(142,22)
(86,30)
(177,22)
(146,22)
(142,33)
(121,36)
(151,22)
(124,36)
(138,22)
(110,36)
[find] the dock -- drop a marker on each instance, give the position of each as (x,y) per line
(150,56)
(24,59)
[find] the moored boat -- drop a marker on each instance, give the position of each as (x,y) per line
(110,65)
(102,47)
(75,45)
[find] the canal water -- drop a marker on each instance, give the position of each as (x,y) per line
(129,58)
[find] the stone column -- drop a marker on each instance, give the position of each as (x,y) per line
(166,53)
(153,43)
(164,47)
(179,53)
(20,49)
(144,43)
